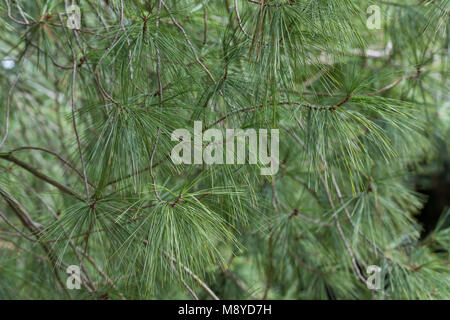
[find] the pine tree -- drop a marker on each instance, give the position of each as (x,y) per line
(89,107)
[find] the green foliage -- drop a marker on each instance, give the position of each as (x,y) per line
(87,179)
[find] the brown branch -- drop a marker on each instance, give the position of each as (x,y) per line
(74,122)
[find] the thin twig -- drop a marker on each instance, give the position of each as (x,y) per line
(74,122)
(12,18)
(194,276)
(67,163)
(8,103)
(191,46)
(41,176)
(241,26)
